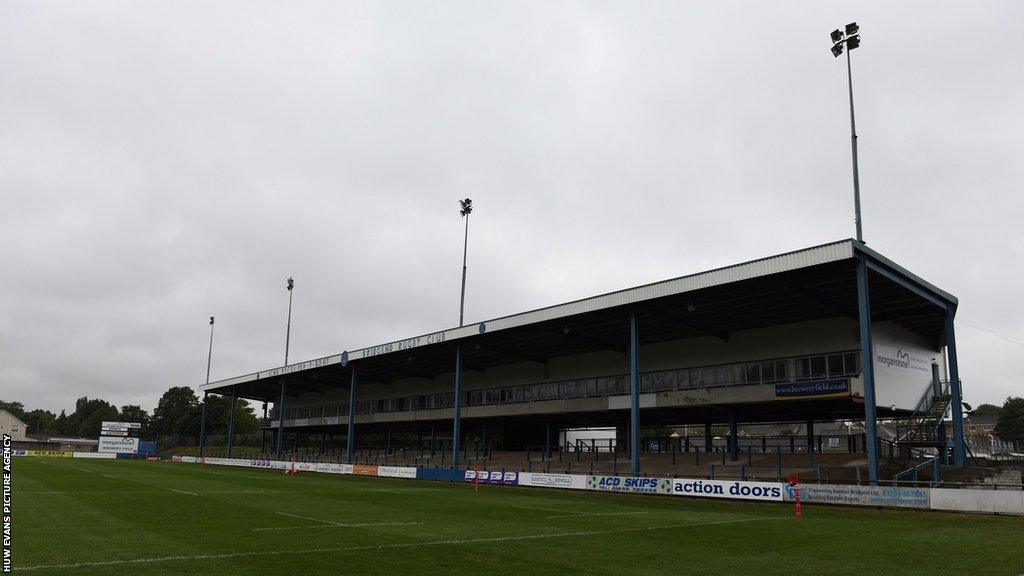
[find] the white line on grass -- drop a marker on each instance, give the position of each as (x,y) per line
(183,492)
(337,525)
(536,508)
(380,546)
(108,476)
(588,514)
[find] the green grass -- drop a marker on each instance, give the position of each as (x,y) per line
(136,517)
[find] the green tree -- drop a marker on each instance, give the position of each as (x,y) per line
(1010,426)
(218,415)
(41,422)
(987,410)
(135,413)
(15,408)
(91,414)
(175,413)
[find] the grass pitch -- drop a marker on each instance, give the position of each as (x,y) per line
(122,517)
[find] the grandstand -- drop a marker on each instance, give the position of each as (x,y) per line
(752,370)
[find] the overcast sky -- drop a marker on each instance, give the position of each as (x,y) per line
(161,162)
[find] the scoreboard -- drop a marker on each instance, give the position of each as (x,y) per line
(119,437)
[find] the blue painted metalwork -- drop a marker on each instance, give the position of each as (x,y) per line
(350,446)
(202,427)
(903,281)
(547,440)
(734,439)
(810,440)
(956,394)
(456,428)
(231,422)
(868,369)
(634,390)
(280,421)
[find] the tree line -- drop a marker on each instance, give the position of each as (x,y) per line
(179,412)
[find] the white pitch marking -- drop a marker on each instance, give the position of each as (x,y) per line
(381,546)
(331,522)
(108,476)
(337,525)
(596,514)
(537,508)
(86,470)
(183,492)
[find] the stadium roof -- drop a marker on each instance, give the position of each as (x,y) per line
(802,285)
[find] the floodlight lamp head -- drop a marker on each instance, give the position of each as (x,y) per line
(291,284)
(837,35)
(852,29)
(211,320)
(837,49)
(467,207)
(853,42)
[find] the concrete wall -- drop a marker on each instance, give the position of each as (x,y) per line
(990,501)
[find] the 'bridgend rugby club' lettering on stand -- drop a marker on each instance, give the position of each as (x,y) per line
(406,344)
(813,389)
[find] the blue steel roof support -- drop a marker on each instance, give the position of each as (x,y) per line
(457,411)
(350,441)
(634,391)
(280,421)
(956,394)
(868,368)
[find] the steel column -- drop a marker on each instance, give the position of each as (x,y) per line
(231,423)
(868,369)
(708,438)
(350,447)
(280,421)
(955,393)
(810,437)
(457,425)
(547,440)
(634,388)
(734,438)
(202,427)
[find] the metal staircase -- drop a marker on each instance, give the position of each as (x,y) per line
(923,434)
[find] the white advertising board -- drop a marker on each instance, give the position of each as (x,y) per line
(862,495)
(94,455)
(396,472)
(736,489)
(903,366)
(118,445)
(327,468)
(544,480)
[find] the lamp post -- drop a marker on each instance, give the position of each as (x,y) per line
(851,39)
(209,355)
(202,425)
(466,209)
(288,330)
